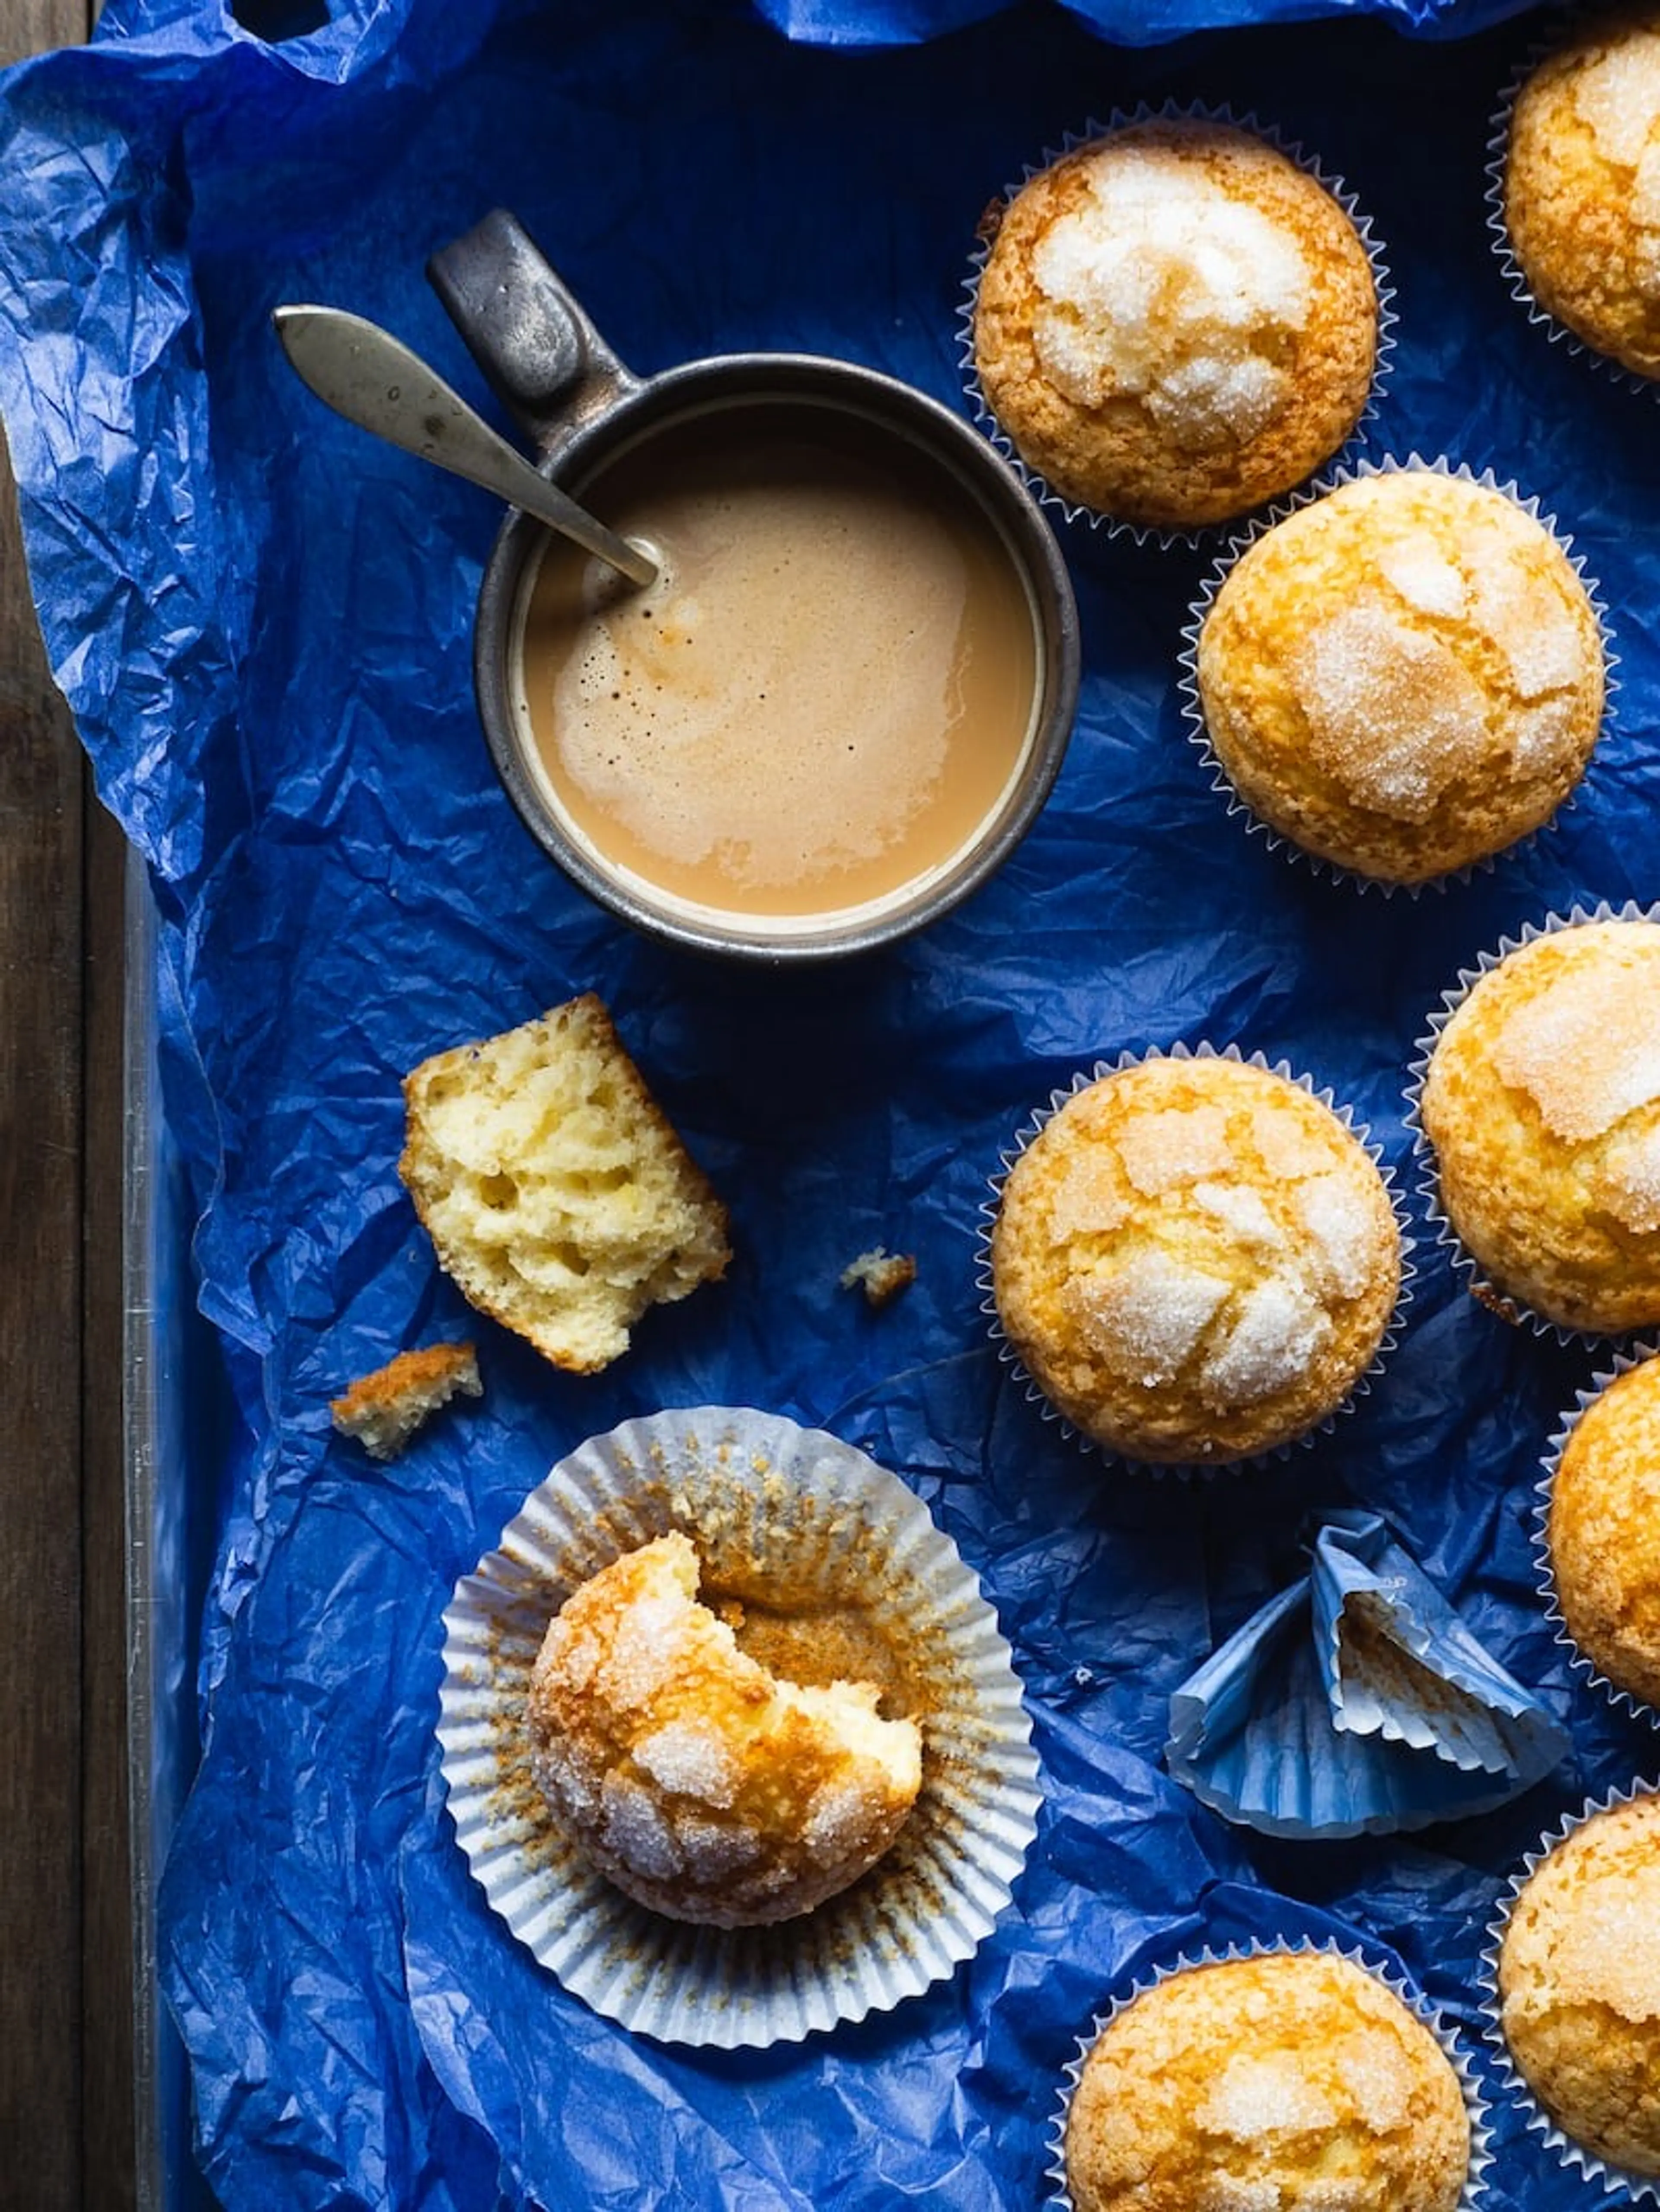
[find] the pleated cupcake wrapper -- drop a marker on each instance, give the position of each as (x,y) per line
(1200,1469)
(1544,1566)
(1516,278)
(767,1504)
(1479,1285)
(1172,111)
(1290,1728)
(1638,2187)
(1480,2154)
(1194,714)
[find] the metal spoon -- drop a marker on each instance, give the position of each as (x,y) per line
(373,379)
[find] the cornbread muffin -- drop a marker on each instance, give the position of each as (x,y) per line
(1579,1983)
(1403,677)
(554,1190)
(1295,2082)
(1581,186)
(1175,323)
(1542,1102)
(700,1784)
(384,1410)
(1195,1260)
(1602,1532)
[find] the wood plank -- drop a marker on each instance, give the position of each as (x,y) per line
(40,1506)
(65,1994)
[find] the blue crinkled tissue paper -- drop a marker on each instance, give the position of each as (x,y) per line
(262,620)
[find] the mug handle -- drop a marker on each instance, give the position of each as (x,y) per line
(543,357)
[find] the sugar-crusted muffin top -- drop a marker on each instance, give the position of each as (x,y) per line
(1195,1258)
(1288,2082)
(1543,1103)
(1602,1532)
(1582,185)
(1155,286)
(1175,322)
(701,1785)
(1405,676)
(1579,1983)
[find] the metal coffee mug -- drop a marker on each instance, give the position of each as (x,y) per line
(567,388)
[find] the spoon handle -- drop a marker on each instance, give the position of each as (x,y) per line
(373,379)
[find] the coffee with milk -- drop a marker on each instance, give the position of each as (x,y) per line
(830,688)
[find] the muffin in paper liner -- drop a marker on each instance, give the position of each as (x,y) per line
(1480,2155)
(1172,111)
(1198,730)
(1567,23)
(1638,2187)
(1497,1299)
(1186,1470)
(1356,1702)
(1637,1355)
(855,1561)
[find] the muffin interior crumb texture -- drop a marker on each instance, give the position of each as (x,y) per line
(555,1190)
(1284,2084)
(1195,1258)
(1580,1985)
(701,1785)
(1175,322)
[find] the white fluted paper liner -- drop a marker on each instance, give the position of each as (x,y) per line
(767,1504)
(1356,1702)
(1479,1285)
(1515,276)
(1006,1353)
(1480,2154)
(1545,1565)
(1193,713)
(1593,2167)
(1172,111)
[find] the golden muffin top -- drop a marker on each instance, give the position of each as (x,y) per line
(1579,1983)
(1403,677)
(1195,1260)
(1582,185)
(1175,322)
(1291,2081)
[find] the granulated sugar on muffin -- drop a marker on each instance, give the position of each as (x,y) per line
(1404,677)
(1195,1260)
(554,1188)
(1579,1983)
(1175,323)
(1581,186)
(1541,1103)
(1293,2081)
(1602,1532)
(699,1783)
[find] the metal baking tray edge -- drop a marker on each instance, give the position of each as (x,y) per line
(166,1564)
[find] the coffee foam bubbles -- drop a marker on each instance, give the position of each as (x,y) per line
(672,702)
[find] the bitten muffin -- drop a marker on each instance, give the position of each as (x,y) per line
(1292,2080)
(1602,1532)
(1195,1260)
(701,1785)
(1541,1103)
(1579,1983)
(1404,677)
(1582,186)
(1175,323)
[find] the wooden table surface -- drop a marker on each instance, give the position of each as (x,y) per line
(66,2040)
